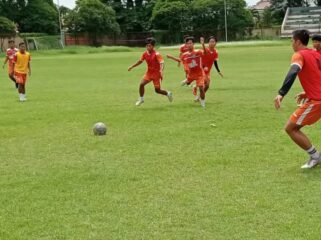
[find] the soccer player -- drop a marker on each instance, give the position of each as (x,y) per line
(209,58)
(21,66)
(183,49)
(155,67)
(306,63)
(316,40)
(193,59)
(11,51)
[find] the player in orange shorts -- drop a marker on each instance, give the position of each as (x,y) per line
(11,51)
(155,67)
(183,49)
(21,66)
(306,64)
(209,58)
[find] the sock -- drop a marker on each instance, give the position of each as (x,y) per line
(313,152)
(141,98)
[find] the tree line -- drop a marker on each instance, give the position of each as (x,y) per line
(98,17)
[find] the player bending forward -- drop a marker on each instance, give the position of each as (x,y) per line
(306,63)
(155,67)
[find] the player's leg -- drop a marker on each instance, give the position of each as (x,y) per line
(207,83)
(159,90)
(11,75)
(142,91)
(202,95)
(200,85)
(307,114)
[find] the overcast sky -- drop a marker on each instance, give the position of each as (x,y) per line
(71,3)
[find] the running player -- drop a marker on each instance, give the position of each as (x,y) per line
(209,58)
(316,40)
(306,63)
(193,59)
(21,66)
(11,51)
(183,49)
(155,67)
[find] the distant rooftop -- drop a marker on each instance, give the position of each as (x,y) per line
(262,4)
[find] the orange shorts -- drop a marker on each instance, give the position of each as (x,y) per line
(21,78)
(307,114)
(199,80)
(155,77)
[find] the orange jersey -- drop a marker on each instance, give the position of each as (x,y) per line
(310,75)
(208,59)
(21,61)
(183,49)
(193,61)
(153,60)
(10,55)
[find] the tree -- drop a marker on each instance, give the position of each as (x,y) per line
(317,2)
(209,15)
(170,16)
(7,29)
(7,26)
(93,17)
(40,16)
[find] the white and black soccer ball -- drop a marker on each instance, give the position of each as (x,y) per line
(100,129)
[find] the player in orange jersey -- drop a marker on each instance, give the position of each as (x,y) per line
(193,59)
(209,58)
(316,41)
(21,66)
(11,51)
(183,49)
(155,67)
(306,64)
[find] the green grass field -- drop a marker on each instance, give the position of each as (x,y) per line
(162,171)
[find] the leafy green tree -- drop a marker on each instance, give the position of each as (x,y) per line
(94,18)
(7,26)
(209,15)
(171,16)
(40,16)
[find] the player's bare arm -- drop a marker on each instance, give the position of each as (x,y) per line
(29,66)
(202,41)
(173,58)
(135,65)
(5,61)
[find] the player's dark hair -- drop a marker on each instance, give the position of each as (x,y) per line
(212,37)
(22,43)
(302,35)
(316,37)
(189,38)
(185,36)
(151,41)
(11,41)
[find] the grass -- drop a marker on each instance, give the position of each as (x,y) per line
(162,171)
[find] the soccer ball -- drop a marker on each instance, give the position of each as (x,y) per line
(99,129)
